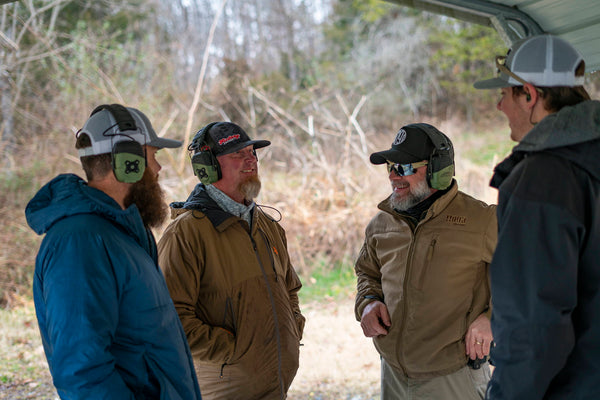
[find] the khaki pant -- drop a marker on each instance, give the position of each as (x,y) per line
(464,384)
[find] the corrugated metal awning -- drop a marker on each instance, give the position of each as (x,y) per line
(577,21)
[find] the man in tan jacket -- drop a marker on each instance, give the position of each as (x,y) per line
(228,271)
(423,288)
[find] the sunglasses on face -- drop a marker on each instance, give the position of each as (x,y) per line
(405,169)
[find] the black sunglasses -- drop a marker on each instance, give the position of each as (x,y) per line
(404,169)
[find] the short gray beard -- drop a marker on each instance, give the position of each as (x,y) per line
(250,188)
(416,194)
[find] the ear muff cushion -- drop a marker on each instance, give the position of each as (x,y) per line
(206,167)
(128,158)
(440,169)
(129,161)
(204,163)
(442,178)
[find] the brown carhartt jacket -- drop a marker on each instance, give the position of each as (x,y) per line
(434,281)
(236,294)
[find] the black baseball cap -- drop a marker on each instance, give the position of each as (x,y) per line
(227,137)
(411,144)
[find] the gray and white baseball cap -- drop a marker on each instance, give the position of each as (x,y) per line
(104,130)
(542,60)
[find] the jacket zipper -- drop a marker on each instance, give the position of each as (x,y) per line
(275,317)
(270,248)
(404,294)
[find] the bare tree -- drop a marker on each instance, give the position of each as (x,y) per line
(20,21)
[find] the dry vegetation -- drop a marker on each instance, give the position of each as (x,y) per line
(316,173)
(326,192)
(336,362)
(319,180)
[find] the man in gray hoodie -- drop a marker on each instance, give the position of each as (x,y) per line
(545,274)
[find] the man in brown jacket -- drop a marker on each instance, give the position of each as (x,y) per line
(228,271)
(423,288)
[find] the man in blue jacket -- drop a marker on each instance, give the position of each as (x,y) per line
(545,274)
(108,325)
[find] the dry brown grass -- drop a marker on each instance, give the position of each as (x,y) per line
(336,361)
(326,191)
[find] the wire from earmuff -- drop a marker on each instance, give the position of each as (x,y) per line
(261,206)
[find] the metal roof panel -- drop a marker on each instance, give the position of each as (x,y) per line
(577,21)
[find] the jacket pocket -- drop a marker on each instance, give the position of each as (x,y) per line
(419,282)
(229,317)
(274,258)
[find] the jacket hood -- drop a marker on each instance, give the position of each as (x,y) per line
(199,200)
(573,133)
(68,195)
(569,126)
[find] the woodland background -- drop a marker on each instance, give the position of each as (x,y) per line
(326,81)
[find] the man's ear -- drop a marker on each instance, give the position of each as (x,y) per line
(531,93)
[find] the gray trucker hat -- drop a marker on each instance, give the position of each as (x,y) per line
(104,130)
(543,60)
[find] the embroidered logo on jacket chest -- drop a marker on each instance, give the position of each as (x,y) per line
(456,219)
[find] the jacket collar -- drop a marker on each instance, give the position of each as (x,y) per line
(435,209)
(199,200)
(569,126)
(563,134)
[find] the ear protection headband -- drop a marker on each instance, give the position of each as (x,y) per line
(127,157)
(440,168)
(204,163)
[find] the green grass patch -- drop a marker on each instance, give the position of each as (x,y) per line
(485,148)
(328,283)
(490,153)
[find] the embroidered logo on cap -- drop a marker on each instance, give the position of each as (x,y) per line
(400,137)
(228,139)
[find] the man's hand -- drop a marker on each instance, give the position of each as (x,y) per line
(375,319)
(478,338)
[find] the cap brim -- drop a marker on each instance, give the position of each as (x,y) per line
(256,143)
(396,156)
(493,83)
(162,143)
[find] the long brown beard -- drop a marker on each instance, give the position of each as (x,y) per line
(149,198)
(250,188)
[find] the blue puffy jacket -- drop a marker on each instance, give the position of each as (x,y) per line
(108,325)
